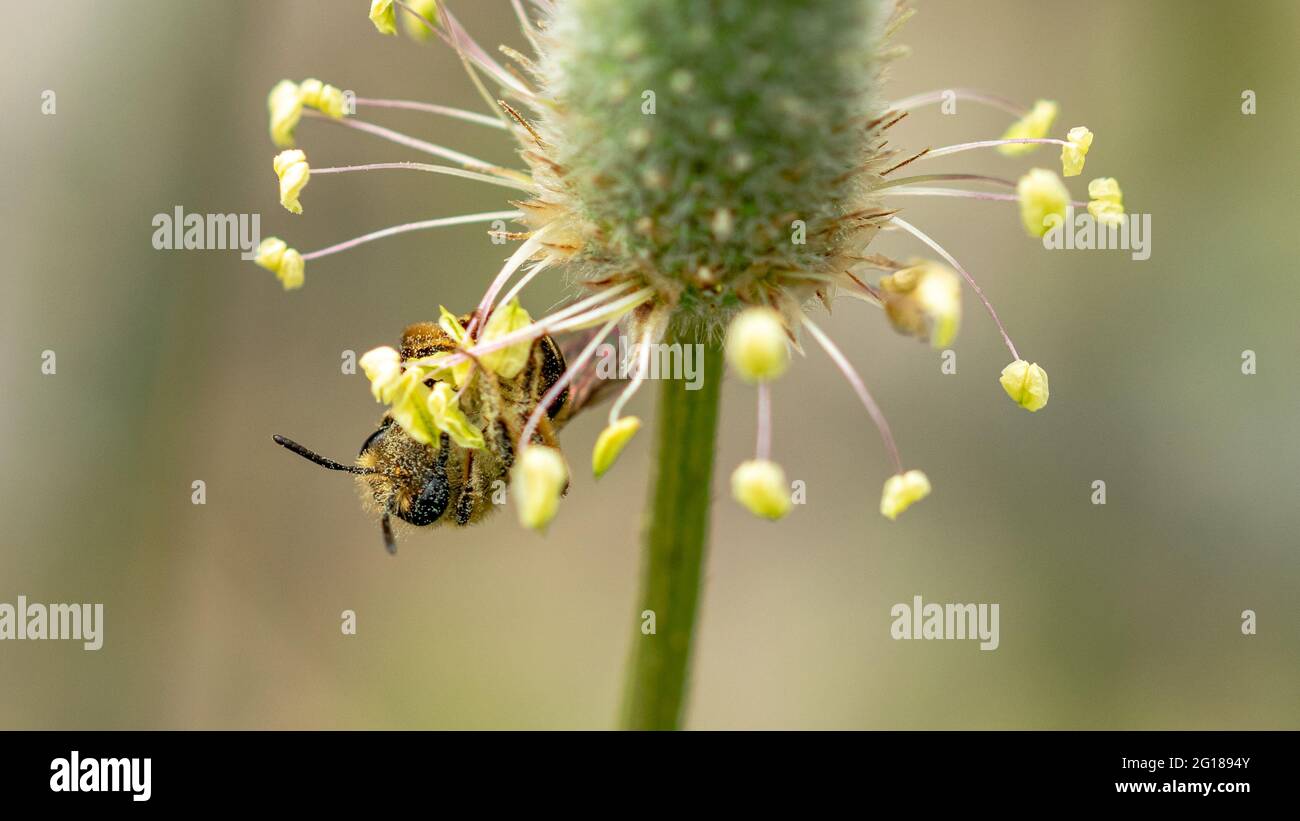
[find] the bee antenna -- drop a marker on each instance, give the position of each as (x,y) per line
(390,542)
(312,456)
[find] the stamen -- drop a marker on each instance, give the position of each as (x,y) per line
(432,169)
(919,234)
(975,96)
(464,219)
(433,108)
(860,387)
(953,149)
(563,382)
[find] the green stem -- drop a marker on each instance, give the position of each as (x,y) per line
(676,535)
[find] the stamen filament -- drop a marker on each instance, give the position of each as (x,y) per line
(959,192)
(434,108)
(953,149)
(923,178)
(764,448)
(432,169)
(458,38)
(521,255)
(642,369)
(919,234)
(463,219)
(472,163)
(860,387)
(540,266)
(975,96)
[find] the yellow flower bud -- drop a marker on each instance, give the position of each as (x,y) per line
(924,300)
(383,367)
(1043,200)
(285,105)
(901,491)
(760,486)
(506,319)
(384,16)
(1026,384)
(1032,126)
(611,442)
(292,169)
(757,346)
(448,416)
(452,327)
(538,480)
(325,98)
(1107,201)
(1072,155)
(428,9)
(286,263)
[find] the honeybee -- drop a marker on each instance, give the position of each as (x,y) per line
(430,485)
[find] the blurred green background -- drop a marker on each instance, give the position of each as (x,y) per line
(177,366)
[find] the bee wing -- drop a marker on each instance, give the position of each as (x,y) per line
(588,388)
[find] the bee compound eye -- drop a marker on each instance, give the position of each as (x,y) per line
(431,503)
(373,439)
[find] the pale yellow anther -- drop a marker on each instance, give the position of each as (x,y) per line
(757,347)
(1043,200)
(292,169)
(383,367)
(538,480)
(1072,155)
(1033,126)
(384,15)
(285,106)
(325,98)
(448,416)
(1026,384)
(286,263)
(409,407)
(611,442)
(428,9)
(760,485)
(924,300)
(1106,201)
(507,362)
(901,491)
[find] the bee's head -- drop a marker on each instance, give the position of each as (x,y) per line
(402,477)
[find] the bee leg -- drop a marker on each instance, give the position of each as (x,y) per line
(390,542)
(468,492)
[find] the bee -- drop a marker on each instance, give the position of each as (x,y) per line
(430,485)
